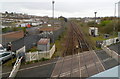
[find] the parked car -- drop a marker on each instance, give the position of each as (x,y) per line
(6,55)
(2,48)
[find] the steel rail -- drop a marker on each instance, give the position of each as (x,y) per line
(80,45)
(89,47)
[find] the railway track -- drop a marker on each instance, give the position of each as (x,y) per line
(76,43)
(68,48)
(84,46)
(74,34)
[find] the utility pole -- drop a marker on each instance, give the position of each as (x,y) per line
(95,23)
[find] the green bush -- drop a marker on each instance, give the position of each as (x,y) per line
(106,27)
(44,59)
(10,29)
(6,29)
(92,23)
(34,49)
(104,23)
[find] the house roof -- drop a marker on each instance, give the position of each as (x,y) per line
(43,41)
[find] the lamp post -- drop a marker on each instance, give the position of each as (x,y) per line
(115,10)
(53,8)
(95,22)
(53,2)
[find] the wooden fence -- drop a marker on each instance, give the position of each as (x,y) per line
(31,56)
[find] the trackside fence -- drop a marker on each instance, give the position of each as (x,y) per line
(31,56)
(15,68)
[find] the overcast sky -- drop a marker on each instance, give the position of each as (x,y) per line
(67,8)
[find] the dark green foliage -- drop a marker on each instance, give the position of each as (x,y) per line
(11,29)
(109,27)
(6,29)
(92,23)
(34,49)
(104,23)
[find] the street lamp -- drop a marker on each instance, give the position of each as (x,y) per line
(95,22)
(53,2)
(115,10)
(114,26)
(53,9)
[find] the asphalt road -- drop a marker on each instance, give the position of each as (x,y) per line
(80,65)
(115,48)
(34,70)
(43,69)
(106,60)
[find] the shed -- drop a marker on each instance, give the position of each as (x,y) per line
(43,44)
(93,31)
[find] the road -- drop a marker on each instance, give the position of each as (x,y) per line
(79,65)
(43,69)
(115,48)
(40,69)
(106,60)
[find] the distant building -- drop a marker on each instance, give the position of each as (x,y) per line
(22,25)
(92,20)
(43,44)
(28,25)
(89,20)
